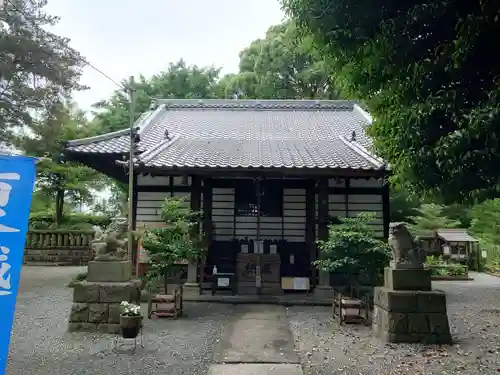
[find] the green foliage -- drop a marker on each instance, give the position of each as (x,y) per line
(37,67)
(430,218)
(353,247)
(179,81)
(430,78)
(485,225)
(403,205)
(78,279)
(57,179)
(440,267)
(176,241)
(486,221)
(46,220)
(283,65)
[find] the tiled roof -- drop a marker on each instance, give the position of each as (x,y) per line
(246,133)
(455,235)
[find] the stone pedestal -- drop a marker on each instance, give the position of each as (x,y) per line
(191,290)
(323,292)
(407,279)
(96,305)
(407,310)
(96,302)
(109,271)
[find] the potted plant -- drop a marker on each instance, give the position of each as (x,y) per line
(130,320)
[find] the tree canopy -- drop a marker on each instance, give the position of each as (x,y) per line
(180,81)
(429,74)
(57,179)
(430,218)
(37,67)
(283,65)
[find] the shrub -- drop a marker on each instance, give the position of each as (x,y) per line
(440,267)
(46,220)
(353,248)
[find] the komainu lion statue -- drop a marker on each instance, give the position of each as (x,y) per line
(112,244)
(405,252)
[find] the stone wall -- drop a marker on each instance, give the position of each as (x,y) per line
(65,247)
(96,305)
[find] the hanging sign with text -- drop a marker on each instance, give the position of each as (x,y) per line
(17,178)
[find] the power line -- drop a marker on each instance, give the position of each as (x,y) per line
(80,59)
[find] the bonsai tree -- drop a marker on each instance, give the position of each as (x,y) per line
(353,248)
(176,241)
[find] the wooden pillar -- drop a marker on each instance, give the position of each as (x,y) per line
(311,227)
(324,276)
(207,222)
(195,206)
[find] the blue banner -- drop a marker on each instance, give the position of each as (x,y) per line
(17,178)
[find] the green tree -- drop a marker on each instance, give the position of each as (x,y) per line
(175,241)
(36,66)
(353,248)
(283,65)
(403,204)
(180,81)
(56,178)
(430,79)
(486,221)
(430,217)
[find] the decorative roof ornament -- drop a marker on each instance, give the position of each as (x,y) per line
(153,105)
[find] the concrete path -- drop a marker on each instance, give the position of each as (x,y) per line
(259,341)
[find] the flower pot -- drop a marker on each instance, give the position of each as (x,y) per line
(130,326)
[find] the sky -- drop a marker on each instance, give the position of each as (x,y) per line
(126,37)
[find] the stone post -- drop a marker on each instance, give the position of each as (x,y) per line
(191,287)
(406,309)
(96,301)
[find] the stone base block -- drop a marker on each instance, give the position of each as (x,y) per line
(96,306)
(190,290)
(112,271)
(409,301)
(411,317)
(323,292)
(407,279)
(267,288)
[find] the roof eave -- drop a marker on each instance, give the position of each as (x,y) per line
(283,171)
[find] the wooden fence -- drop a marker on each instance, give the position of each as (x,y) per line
(58,246)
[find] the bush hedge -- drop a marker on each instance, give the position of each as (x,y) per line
(69,221)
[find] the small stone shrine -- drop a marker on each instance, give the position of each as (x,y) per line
(96,301)
(406,309)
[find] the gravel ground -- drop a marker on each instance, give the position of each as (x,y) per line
(325,348)
(40,344)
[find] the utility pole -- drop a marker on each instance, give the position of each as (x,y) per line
(131,92)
